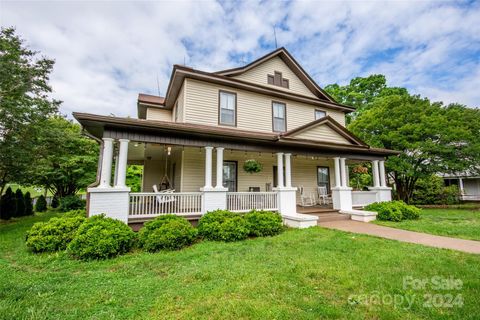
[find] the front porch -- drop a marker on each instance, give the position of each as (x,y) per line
(183,176)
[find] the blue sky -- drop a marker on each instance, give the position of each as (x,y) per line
(108,52)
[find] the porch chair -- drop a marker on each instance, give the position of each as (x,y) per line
(323,196)
(163,196)
(306,200)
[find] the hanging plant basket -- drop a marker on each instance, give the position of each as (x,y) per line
(252,166)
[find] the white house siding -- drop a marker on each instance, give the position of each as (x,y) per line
(258,75)
(322,133)
(254,111)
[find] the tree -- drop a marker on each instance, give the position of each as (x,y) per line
(432,138)
(28,204)
(7,205)
(19,204)
(41,204)
(361,92)
(66,160)
(134,177)
(24,105)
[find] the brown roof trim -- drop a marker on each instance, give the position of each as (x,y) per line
(151,99)
(291,62)
(186,72)
(332,123)
(92,121)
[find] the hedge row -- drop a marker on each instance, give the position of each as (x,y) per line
(100,237)
(13,205)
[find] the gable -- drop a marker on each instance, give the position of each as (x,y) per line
(259,75)
(322,133)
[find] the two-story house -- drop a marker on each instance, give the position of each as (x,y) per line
(194,143)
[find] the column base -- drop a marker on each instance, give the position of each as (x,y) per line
(342,198)
(383,193)
(113,202)
(213,199)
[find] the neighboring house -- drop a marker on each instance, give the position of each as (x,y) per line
(197,138)
(468,185)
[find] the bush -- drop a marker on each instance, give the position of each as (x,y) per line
(7,205)
(19,204)
(100,237)
(28,204)
(75,213)
(54,234)
(394,211)
(167,232)
(223,225)
(71,203)
(263,223)
(41,204)
(55,202)
(431,190)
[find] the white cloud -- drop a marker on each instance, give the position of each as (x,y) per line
(108,52)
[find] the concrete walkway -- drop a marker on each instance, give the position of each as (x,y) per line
(469,246)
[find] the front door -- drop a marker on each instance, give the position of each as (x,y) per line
(323,177)
(230,175)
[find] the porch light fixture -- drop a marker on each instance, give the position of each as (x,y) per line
(135,145)
(169,150)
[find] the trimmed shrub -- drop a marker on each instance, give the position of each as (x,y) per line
(100,238)
(75,213)
(19,204)
(263,223)
(394,211)
(431,190)
(167,232)
(55,203)
(28,204)
(450,195)
(41,204)
(53,235)
(7,205)
(223,225)
(71,203)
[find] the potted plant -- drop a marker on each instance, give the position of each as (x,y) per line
(252,166)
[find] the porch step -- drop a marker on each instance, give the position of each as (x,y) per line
(327,217)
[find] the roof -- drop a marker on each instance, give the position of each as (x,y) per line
(96,124)
(148,101)
(283,54)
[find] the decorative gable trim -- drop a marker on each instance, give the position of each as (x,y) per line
(291,63)
(330,122)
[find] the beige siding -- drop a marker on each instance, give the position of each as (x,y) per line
(254,111)
(259,74)
(154,170)
(159,114)
(180,104)
(322,133)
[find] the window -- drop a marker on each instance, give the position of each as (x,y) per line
(227,108)
(279,117)
(323,177)
(319,114)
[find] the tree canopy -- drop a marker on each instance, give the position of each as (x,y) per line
(24,104)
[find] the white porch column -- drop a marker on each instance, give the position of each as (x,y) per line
(381,167)
(279,170)
(460,184)
(115,174)
(122,163)
(343,172)
(106,173)
(288,170)
(376,179)
(337,172)
(219,168)
(208,167)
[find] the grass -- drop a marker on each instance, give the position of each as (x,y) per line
(458,223)
(300,274)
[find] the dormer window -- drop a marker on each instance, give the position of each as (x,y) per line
(227,108)
(277,80)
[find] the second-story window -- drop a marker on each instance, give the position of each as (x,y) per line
(227,108)
(319,114)
(279,117)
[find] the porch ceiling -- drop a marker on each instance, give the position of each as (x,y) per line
(195,135)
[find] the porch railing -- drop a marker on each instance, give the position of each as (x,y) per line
(363,198)
(246,201)
(150,204)
(470,197)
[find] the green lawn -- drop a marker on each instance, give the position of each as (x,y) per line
(458,223)
(301,274)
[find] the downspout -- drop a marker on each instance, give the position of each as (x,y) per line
(99,168)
